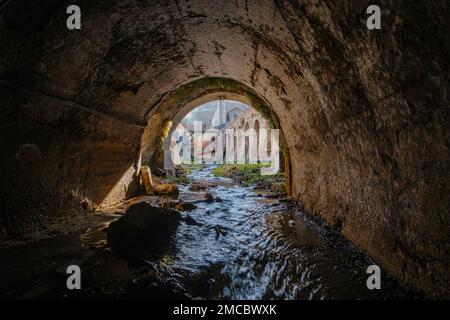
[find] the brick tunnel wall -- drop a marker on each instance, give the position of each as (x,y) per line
(365,114)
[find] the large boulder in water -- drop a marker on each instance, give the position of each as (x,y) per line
(186,206)
(143,229)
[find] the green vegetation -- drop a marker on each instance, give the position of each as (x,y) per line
(250,174)
(177,180)
(180,173)
(188,168)
(246,173)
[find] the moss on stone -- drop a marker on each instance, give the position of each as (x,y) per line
(228,85)
(248,174)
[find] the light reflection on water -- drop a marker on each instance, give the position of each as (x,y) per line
(264,255)
(271,250)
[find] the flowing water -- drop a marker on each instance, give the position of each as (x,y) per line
(249,246)
(269,250)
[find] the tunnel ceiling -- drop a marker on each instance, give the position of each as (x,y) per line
(364,113)
(314,60)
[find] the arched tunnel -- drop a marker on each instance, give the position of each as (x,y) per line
(364,114)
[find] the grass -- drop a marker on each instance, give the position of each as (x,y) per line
(248,174)
(177,180)
(191,167)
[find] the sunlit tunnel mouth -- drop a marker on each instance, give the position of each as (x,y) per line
(224,138)
(177,130)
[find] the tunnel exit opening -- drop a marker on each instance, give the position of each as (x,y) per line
(230,135)
(244,133)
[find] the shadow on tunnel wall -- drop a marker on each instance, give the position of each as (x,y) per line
(57,163)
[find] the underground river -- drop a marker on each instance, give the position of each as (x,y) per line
(246,244)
